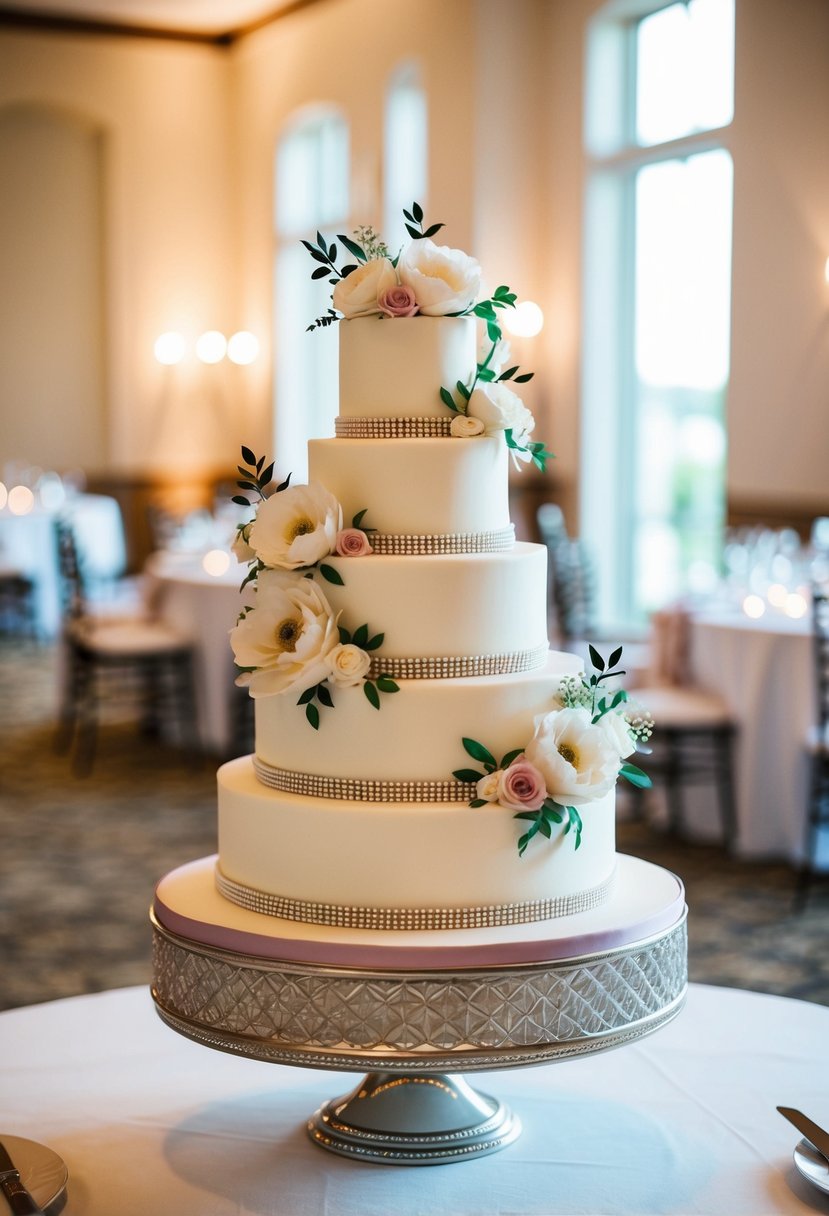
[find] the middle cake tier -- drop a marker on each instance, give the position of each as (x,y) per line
(417,733)
(469,606)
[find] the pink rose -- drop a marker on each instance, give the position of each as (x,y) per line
(397,302)
(521,786)
(351,542)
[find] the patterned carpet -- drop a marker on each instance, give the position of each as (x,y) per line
(79,858)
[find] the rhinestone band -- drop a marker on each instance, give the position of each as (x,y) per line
(496,541)
(392,428)
(447,667)
(345,916)
(362,789)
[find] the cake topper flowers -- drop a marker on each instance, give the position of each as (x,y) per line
(425,279)
(576,755)
(289,639)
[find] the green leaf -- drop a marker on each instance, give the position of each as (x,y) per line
(476,802)
(595,658)
(417,213)
(447,399)
(414,233)
(324,694)
(524,377)
(345,636)
(478,752)
(432,229)
(313,716)
(510,756)
(308,695)
(240,502)
(284,484)
(387,684)
(485,310)
(493,332)
(463,390)
(467,774)
(371,693)
(544,827)
(408,215)
(353,248)
(248,456)
(374,643)
(615,657)
(320,272)
(247,485)
(635,776)
(332,575)
(358,518)
(360,636)
(509,373)
(332,252)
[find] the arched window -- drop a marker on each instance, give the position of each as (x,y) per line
(657,300)
(405,153)
(311,193)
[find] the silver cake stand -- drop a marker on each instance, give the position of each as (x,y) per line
(416,1031)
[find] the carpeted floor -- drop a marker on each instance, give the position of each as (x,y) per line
(79,858)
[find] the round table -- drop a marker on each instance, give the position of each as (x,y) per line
(763,670)
(205,607)
(681,1122)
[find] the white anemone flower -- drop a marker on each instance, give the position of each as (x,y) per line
(286,637)
(444,280)
(578,761)
(296,527)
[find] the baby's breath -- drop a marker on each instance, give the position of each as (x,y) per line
(373,244)
(640,723)
(573,693)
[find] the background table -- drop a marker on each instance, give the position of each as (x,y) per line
(205,607)
(764,672)
(682,1122)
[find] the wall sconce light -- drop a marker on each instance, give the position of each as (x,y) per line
(525,320)
(169,349)
(21,500)
(242,347)
(211,347)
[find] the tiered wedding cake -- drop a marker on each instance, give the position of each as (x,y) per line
(431,785)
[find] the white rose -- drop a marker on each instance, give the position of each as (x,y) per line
(618,731)
(443,280)
(500,409)
(462,426)
(356,295)
(348,664)
(578,761)
(286,637)
(240,547)
(487,787)
(296,527)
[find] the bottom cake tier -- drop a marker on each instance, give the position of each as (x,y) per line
(452,1000)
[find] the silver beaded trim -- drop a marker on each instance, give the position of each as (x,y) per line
(392,428)
(495,541)
(361,789)
(344,916)
(447,667)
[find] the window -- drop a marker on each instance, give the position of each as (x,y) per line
(657,302)
(405,151)
(311,193)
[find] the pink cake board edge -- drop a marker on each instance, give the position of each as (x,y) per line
(269,938)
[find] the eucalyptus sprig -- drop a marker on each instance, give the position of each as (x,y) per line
(538,453)
(256,478)
(600,702)
(487,375)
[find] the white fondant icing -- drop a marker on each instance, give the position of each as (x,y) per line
(416,486)
(399,854)
(416,734)
(396,367)
(472,604)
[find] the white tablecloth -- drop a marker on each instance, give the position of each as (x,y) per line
(205,607)
(763,670)
(151,1124)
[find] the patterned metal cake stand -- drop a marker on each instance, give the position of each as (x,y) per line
(417,1030)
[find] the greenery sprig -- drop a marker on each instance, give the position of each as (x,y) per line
(256,478)
(384,682)
(323,694)
(537,450)
(485,757)
(414,224)
(588,693)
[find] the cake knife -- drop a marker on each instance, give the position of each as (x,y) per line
(19,1199)
(818,1137)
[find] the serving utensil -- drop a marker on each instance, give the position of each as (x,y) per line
(19,1199)
(808,1128)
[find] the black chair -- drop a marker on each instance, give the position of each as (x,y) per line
(113,659)
(817,810)
(17,604)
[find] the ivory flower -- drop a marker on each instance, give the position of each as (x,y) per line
(618,732)
(487,787)
(521,786)
(443,280)
(498,361)
(578,761)
(296,527)
(286,637)
(358,293)
(348,664)
(500,409)
(241,548)
(464,427)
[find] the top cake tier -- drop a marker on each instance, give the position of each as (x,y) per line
(396,368)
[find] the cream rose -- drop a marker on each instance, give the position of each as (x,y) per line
(296,527)
(358,293)
(286,637)
(464,427)
(443,280)
(500,409)
(618,731)
(348,664)
(577,760)
(487,787)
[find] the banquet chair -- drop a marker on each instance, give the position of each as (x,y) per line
(694,738)
(112,659)
(17,604)
(817,810)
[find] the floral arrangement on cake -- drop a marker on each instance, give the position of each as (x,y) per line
(577,753)
(290,639)
(429,280)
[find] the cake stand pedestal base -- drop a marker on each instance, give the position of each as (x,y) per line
(413,1120)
